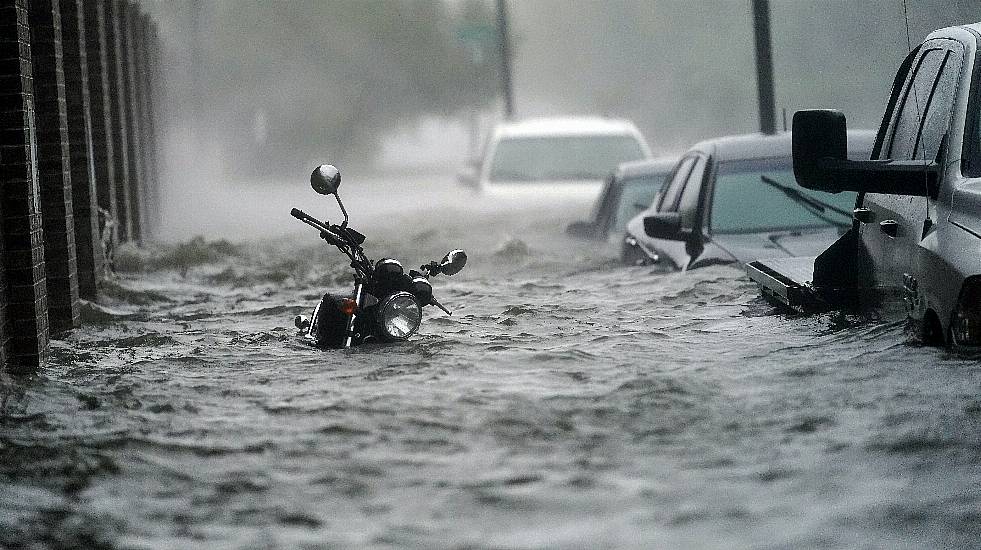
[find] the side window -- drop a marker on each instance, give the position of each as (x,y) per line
(906,126)
(688,205)
(672,191)
(939,109)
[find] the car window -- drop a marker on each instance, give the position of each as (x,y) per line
(524,159)
(636,194)
(743,203)
(669,201)
(688,204)
(939,108)
(906,127)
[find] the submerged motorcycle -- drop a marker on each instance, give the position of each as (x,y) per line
(386,305)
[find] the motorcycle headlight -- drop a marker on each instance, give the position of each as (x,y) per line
(399,316)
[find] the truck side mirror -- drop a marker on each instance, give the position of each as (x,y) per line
(665,225)
(820,161)
(818,134)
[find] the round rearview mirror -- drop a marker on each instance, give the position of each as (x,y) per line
(453,262)
(325,179)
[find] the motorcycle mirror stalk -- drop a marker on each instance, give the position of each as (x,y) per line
(325,180)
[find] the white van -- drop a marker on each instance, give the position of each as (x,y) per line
(556,158)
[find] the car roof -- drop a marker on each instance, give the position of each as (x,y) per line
(952,32)
(633,169)
(758,146)
(565,126)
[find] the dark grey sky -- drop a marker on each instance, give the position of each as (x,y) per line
(684,70)
(260,86)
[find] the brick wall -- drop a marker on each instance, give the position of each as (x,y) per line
(128,15)
(150,87)
(54,165)
(117,93)
(88,247)
(25,314)
(100,104)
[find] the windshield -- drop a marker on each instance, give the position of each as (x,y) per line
(744,204)
(562,157)
(636,194)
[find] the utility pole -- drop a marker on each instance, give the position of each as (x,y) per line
(502,28)
(764,66)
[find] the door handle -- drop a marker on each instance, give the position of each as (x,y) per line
(864,215)
(889,227)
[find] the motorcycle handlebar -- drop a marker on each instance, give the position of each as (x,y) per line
(323,227)
(308,219)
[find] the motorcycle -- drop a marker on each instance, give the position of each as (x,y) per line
(386,304)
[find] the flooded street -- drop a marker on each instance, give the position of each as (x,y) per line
(567,403)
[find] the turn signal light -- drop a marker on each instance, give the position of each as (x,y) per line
(966,326)
(348,306)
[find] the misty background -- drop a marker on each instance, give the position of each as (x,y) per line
(263,91)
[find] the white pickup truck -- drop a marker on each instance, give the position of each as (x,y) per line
(916,232)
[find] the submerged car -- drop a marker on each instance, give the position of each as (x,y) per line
(628,190)
(555,158)
(734,199)
(915,233)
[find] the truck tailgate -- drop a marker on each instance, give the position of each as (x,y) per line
(786,281)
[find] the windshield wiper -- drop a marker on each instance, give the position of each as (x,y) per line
(813,205)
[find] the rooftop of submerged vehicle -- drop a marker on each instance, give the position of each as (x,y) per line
(564,126)
(758,146)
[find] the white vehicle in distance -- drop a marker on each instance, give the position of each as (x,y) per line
(564,159)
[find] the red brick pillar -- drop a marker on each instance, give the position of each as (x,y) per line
(54,165)
(100,103)
(117,94)
(88,246)
(128,15)
(25,312)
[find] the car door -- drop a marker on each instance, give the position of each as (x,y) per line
(894,226)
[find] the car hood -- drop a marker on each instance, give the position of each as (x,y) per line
(746,247)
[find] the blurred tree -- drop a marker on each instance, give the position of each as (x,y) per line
(285,85)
